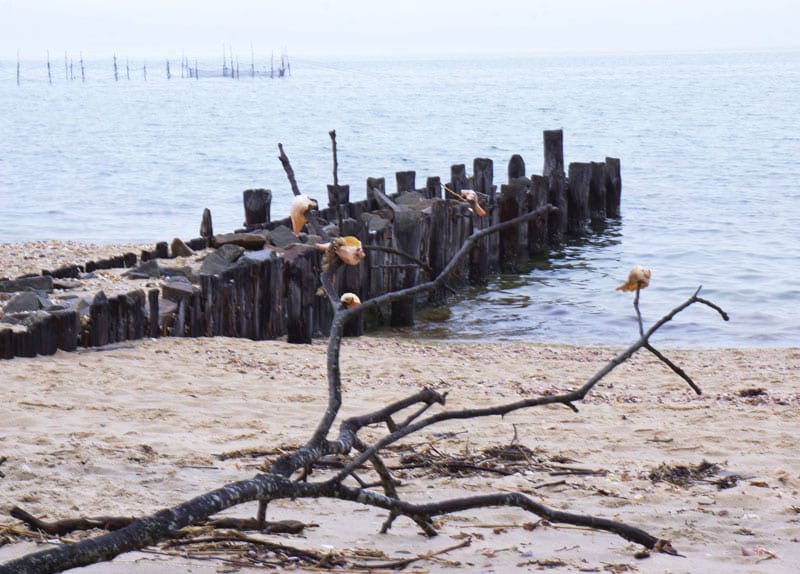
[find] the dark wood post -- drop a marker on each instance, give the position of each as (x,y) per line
(136,320)
(229,306)
(459,228)
(6,344)
(276,301)
(162,250)
(458,178)
(300,287)
(553,152)
(406,180)
(46,343)
(487,251)
(407,230)
(379,278)
(257,204)
(580,178)
(512,202)
(113,320)
(66,324)
(339,200)
(556,184)
(206,227)
(597,192)
(154,329)
(433,187)
(26,342)
(516,167)
(179,324)
(613,187)
(98,321)
(195,315)
(437,247)
(537,227)
(124,305)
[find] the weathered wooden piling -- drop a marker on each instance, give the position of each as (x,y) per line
(556,184)
(206,225)
(597,192)
(7,343)
(153,329)
(99,327)
(484,258)
(301,281)
(537,227)
(407,231)
(406,181)
(257,204)
(433,187)
(580,177)
(553,152)
(458,178)
(513,201)
(437,247)
(613,187)
(66,327)
(516,167)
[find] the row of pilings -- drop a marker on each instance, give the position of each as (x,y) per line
(273,292)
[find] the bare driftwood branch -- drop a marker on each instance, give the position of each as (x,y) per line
(287,167)
(278,482)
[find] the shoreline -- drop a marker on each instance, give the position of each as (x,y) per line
(32,257)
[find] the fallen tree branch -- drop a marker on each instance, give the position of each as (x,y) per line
(278,484)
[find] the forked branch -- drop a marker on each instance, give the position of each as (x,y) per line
(278,484)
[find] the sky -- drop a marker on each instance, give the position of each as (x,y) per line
(392,28)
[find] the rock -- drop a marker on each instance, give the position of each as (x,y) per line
(246,240)
(261,255)
(35,283)
(185,271)
(331,230)
(23,302)
(147,270)
(177,288)
(374,223)
(230,252)
(66,284)
(179,249)
(198,243)
(25,318)
(409,198)
(282,236)
(221,260)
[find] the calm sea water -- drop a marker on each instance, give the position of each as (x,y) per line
(709,145)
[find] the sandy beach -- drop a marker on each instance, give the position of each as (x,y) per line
(131,428)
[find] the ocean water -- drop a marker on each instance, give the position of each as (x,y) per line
(709,146)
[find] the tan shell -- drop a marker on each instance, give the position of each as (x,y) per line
(638,278)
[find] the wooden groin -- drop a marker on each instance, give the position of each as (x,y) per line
(272,289)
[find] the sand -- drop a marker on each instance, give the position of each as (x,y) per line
(135,427)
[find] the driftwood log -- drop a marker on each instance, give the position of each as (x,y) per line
(282,480)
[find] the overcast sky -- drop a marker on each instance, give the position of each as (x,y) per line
(394,28)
